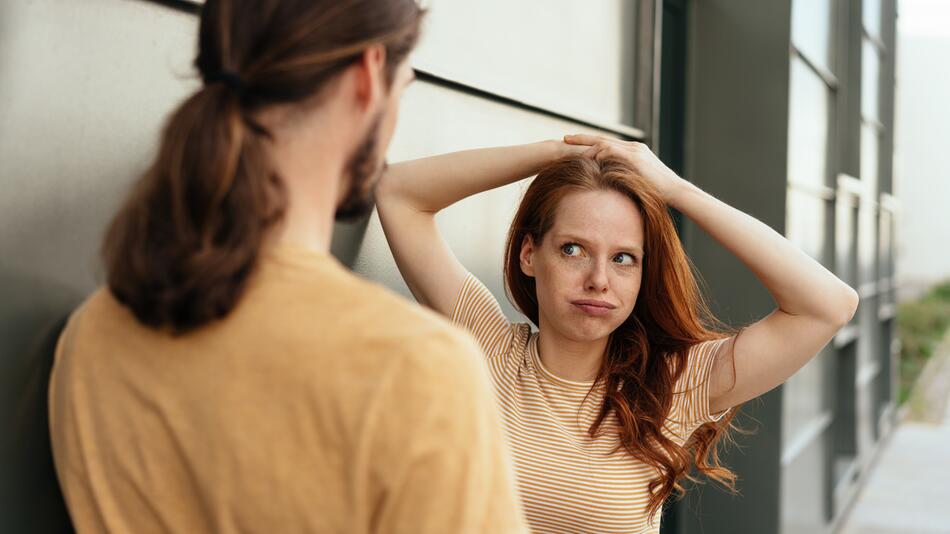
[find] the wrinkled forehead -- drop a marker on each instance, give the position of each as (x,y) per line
(600,217)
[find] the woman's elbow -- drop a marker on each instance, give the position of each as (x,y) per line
(847,306)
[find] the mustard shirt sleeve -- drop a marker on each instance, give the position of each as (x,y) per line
(478,312)
(691,403)
(446,465)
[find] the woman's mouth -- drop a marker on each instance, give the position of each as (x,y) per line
(593,307)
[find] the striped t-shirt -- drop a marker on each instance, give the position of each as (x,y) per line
(568,481)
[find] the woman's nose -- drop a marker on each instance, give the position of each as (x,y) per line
(597,277)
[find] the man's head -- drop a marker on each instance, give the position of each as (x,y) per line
(365,163)
(296,57)
(313,74)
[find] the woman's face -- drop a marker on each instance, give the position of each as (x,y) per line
(587,268)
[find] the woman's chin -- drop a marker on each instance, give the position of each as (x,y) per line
(588,333)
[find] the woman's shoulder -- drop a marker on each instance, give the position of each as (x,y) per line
(704,348)
(521,336)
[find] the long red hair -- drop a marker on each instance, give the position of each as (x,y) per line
(647,354)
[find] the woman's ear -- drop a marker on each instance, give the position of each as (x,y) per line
(527,255)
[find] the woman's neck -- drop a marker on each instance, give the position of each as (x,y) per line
(579,361)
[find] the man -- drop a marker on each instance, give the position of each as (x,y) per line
(233,376)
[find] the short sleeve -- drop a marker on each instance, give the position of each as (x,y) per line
(477,310)
(691,394)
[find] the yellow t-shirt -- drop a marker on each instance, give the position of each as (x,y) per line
(321,403)
(568,481)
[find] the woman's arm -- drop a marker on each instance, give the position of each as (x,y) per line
(412,192)
(813,304)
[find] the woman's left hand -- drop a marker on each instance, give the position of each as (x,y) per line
(637,155)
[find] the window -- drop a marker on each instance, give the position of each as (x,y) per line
(811,30)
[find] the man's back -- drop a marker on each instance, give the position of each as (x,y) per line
(321,403)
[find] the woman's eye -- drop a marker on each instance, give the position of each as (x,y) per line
(625,259)
(570,249)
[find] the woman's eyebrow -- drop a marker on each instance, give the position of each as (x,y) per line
(582,241)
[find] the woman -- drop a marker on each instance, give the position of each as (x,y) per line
(628,380)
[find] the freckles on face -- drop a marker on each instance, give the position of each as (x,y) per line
(588,266)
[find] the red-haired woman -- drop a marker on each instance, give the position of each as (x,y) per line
(629,380)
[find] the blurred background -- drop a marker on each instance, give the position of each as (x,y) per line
(826,119)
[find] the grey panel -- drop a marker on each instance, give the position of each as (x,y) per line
(569,55)
(846,239)
(866,379)
(85,88)
(886,244)
(870,147)
(844,426)
(737,149)
(803,490)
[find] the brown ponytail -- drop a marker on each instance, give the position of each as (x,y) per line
(181,250)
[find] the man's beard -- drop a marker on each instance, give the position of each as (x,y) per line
(363,171)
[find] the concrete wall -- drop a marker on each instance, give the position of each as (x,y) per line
(83,89)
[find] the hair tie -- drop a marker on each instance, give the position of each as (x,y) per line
(230,79)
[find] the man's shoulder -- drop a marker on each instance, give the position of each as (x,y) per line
(384,320)
(416,331)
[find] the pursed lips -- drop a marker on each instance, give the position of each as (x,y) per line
(593,307)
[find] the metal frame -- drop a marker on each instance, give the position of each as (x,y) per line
(829,78)
(188,6)
(649,58)
(620,130)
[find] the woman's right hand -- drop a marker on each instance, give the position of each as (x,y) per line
(566,149)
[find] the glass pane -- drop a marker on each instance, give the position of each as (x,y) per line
(575,57)
(871,13)
(869,155)
(804,397)
(803,489)
(870,80)
(811,30)
(806,223)
(808,126)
